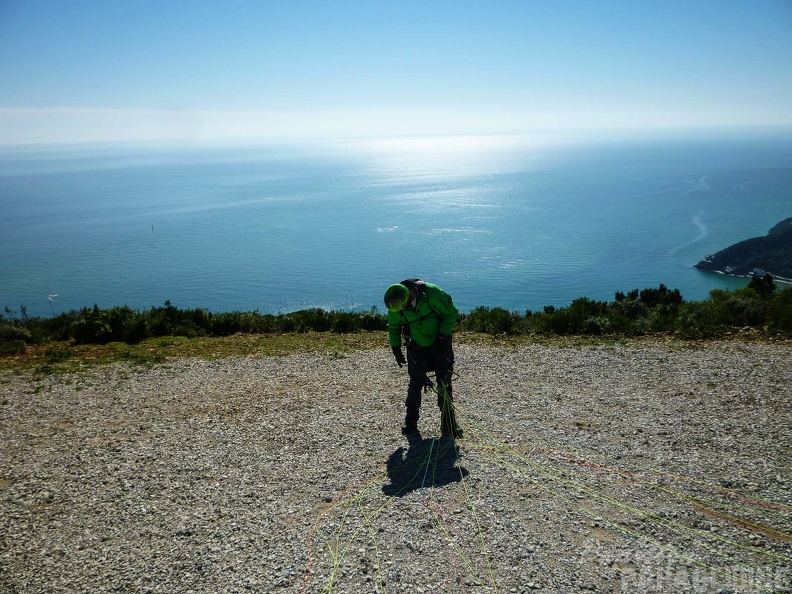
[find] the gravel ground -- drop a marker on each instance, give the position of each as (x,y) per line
(641,467)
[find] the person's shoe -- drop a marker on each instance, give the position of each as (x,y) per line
(409,429)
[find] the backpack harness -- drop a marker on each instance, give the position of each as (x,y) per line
(419,287)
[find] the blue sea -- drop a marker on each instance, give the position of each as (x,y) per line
(512,221)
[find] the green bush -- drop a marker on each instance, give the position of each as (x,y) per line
(779,311)
(660,296)
(226,324)
(583,316)
(491,321)
(13,330)
(100,326)
(12,346)
(660,310)
(739,308)
(91,326)
(699,320)
(763,285)
(662,318)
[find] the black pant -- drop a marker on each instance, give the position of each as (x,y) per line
(421,360)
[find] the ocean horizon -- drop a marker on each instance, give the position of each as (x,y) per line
(518,222)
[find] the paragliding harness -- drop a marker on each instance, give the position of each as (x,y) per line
(418,287)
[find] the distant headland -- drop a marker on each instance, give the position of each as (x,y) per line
(756,256)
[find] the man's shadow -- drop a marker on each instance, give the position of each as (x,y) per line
(426,463)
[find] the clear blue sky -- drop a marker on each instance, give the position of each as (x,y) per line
(111,69)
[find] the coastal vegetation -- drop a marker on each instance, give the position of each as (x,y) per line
(761,306)
(771,253)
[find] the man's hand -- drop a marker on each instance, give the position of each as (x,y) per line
(397,352)
(442,345)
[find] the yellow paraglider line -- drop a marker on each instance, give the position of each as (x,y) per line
(550,480)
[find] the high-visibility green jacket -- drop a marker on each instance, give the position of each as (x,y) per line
(434,313)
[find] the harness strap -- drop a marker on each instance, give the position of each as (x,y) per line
(419,287)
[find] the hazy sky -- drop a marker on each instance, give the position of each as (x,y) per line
(76,70)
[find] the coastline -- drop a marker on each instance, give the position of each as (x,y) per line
(779,279)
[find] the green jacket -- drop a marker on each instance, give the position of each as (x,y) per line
(433,314)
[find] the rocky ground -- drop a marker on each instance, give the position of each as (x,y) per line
(641,467)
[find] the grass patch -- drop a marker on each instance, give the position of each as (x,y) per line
(59,357)
(65,357)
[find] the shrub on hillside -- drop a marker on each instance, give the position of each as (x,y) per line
(779,311)
(14,335)
(583,316)
(494,320)
(723,312)
(235,322)
(638,312)
(660,296)
(98,326)
(763,285)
